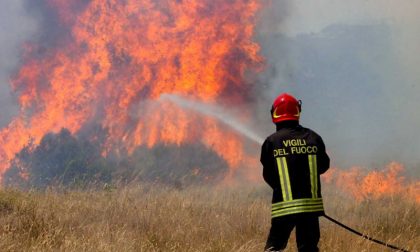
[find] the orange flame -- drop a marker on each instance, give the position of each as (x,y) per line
(363,184)
(121,54)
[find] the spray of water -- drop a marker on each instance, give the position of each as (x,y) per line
(215,112)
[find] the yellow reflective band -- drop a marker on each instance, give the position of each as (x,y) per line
(286,172)
(298,209)
(275,113)
(296,202)
(282,183)
(315,176)
(313,169)
(297,206)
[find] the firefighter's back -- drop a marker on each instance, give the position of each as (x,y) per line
(298,155)
(293,158)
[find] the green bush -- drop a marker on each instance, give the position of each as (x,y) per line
(60,159)
(172,164)
(67,160)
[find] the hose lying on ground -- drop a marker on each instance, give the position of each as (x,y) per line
(363,235)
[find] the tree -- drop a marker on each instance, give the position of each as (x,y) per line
(59,159)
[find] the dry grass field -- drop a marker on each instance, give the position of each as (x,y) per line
(158,218)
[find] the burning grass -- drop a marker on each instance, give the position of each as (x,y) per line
(159,218)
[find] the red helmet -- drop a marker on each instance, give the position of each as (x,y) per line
(285,107)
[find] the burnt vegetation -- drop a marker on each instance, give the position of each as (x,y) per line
(63,159)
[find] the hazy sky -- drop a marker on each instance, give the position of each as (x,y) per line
(403,16)
(16,26)
(371,115)
(314,15)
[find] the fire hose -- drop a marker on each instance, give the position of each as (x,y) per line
(363,235)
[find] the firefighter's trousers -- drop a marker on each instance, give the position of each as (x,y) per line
(307,232)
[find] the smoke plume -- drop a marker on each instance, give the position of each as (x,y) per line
(16,26)
(353,63)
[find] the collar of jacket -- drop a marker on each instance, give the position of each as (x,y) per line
(286,124)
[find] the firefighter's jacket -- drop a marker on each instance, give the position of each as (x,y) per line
(293,158)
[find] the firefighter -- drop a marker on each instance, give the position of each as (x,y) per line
(293,158)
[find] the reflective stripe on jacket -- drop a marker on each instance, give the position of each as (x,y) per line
(292,159)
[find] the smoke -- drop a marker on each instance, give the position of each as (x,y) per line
(354,65)
(16,26)
(23,21)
